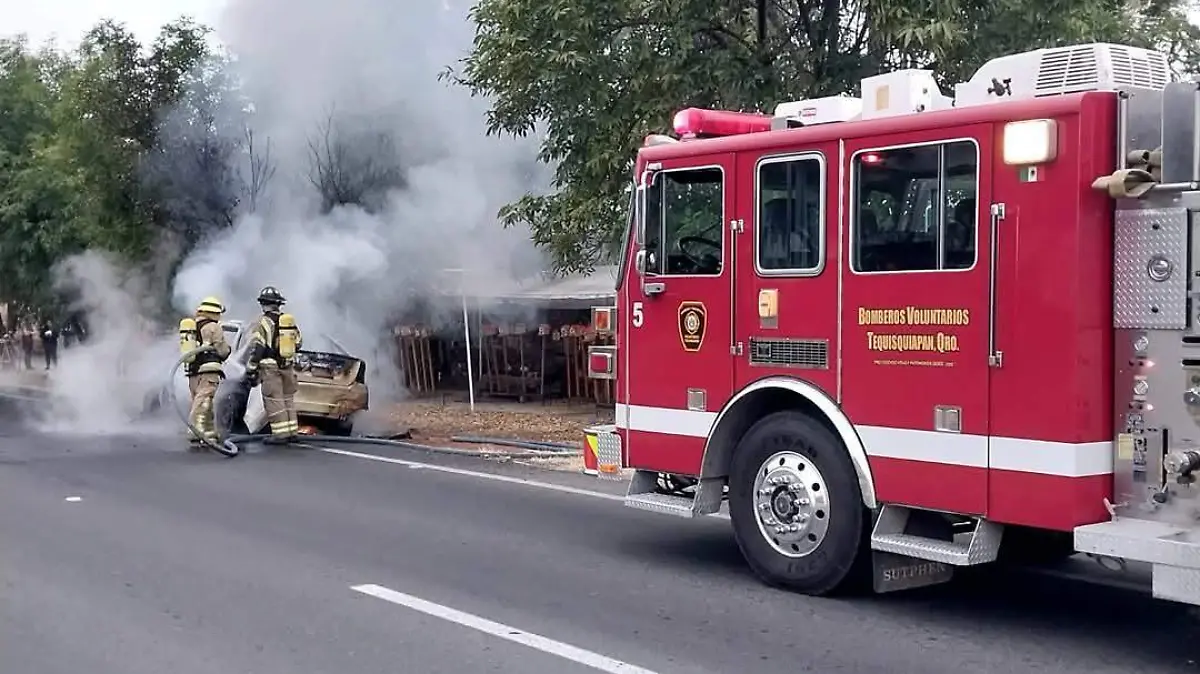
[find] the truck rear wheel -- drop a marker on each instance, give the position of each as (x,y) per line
(796,506)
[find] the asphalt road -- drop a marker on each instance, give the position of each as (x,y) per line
(128,556)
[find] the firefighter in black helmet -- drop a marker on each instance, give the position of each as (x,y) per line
(275,341)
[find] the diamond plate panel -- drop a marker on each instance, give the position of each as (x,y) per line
(664,504)
(1139,302)
(1176,584)
(888,536)
(608,455)
(1143,541)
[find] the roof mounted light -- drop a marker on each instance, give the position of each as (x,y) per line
(1030,142)
(702,123)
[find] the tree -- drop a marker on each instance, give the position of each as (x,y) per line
(79,130)
(192,169)
(258,172)
(351,162)
(598,75)
(38,198)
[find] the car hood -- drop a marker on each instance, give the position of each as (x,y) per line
(329,367)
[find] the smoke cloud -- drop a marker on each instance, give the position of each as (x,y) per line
(350,86)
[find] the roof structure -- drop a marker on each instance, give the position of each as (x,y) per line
(576,291)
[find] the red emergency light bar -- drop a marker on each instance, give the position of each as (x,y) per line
(701,123)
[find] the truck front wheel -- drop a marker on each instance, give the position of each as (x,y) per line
(796,506)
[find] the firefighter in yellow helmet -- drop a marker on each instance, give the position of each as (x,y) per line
(204,371)
(274,344)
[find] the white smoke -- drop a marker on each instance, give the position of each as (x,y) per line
(367,65)
(103,386)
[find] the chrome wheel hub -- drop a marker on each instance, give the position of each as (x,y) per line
(791,504)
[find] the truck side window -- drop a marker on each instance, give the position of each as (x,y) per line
(685,210)
(790,198)
(915,208)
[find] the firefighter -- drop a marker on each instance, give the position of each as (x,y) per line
(204,371)
(275,339)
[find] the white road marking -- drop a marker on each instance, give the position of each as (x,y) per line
(506,632)
(471,473)
(73,499)
(1107,581)
(487,476)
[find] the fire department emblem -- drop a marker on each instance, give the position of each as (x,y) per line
(693,319)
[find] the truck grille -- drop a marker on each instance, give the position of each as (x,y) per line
(802,353)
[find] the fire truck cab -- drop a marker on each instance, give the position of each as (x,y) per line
(907,332)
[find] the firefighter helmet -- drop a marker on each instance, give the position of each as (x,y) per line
(270,295)
(210,305)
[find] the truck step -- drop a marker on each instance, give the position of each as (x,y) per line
(980,546)
(643,495)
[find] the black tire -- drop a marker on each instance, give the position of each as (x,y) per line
(840,561)
(344,427)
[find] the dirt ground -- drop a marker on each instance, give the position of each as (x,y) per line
(551,422)
(435,421)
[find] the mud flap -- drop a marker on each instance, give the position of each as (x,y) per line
(894,572)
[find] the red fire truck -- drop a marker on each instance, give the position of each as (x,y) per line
(904,333)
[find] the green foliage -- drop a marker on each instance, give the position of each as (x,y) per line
(75,131)
(593,77)
(143,148)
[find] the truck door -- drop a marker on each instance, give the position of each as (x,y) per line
(915,370)
(680,370)
(786,309)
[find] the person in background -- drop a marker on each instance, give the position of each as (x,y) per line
(50,344)
(27,346)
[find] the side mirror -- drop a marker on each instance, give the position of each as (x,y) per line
(645,261)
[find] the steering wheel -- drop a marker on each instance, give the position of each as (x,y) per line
(697,258)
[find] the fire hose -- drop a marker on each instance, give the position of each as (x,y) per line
(229,446)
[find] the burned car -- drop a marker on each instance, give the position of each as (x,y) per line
(331,388)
